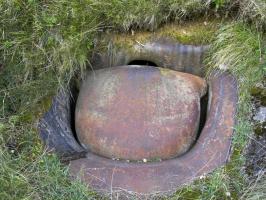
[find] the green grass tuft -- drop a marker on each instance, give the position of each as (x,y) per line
(241,50)
(254,11)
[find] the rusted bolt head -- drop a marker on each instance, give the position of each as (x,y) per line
(138,112)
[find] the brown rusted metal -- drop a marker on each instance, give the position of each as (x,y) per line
(211,150)
(139,112)
(164,52)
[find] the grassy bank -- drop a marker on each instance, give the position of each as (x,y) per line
(240,49)
(44,44)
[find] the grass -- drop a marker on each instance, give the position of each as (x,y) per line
(256,190)
(253,11)
(45,44)
(27,171)
(197,32)
(241,50)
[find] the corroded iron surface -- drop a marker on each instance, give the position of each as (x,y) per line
(211,150)
(163,52)
(139,112)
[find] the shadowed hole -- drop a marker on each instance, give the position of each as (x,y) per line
(203,113)
(142,62)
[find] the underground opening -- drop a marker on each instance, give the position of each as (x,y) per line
(203,112)
(142,62)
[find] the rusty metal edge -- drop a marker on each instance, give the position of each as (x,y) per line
(55,127)
(164,52)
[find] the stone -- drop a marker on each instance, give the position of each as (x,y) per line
(138,112)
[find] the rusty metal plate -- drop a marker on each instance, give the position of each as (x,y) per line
(211,150)
(139,112)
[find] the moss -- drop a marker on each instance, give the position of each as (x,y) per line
(260,94)
(37,111)
(197,32)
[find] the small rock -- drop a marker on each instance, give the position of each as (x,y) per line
(228,194)
(260,115)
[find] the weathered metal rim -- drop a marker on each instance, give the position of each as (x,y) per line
(211,150)
(163,52)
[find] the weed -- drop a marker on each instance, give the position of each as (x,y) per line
(254,11)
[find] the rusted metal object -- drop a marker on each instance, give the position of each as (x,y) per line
(107,176)
(211,150)
(164,52)
(55,127)
(139,112)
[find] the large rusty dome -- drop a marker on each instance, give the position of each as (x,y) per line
(136,112)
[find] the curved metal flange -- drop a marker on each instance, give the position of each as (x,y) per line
(211,150)
(56,126)
(164,52)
